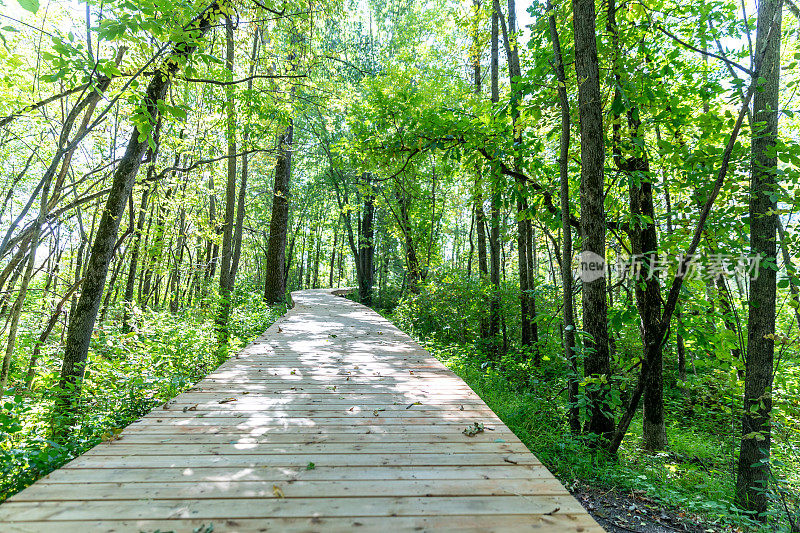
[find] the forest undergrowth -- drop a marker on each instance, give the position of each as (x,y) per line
(694,478)
(128,374)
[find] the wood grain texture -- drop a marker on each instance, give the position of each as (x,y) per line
(332,420)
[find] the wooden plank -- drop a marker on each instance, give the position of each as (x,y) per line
(201,401)
(225,508)
(274,474)
(496,523)
(398,429)
(120,491)
(302,438)
(125,448)
(301,460)
(262,420)
(389,411)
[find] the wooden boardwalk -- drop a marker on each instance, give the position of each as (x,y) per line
(332,420)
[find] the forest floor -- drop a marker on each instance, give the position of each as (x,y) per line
(620,512)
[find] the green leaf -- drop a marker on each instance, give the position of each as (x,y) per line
(29,5)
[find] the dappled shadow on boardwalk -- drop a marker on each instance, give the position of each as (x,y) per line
(332,420)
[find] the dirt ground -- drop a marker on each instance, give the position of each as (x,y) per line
(625,512)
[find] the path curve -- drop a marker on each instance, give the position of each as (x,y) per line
(332,420)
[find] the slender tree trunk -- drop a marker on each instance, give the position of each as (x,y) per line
(791,270)
(566,261)
(225,280)
(483,263)
(477,208)
(42,339)
(333,253)
(494,234)
(753,474)
(133,263)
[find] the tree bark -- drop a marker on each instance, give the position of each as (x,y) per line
(593,218)
(753,472)
(225,279)
(275,288)
(566,255)
(494,222)
(367,246)
(82,323)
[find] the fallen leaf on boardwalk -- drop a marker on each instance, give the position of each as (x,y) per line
(332,336)
(310,466)
(166,406)
(513,462)
(352,408)
(276,490)
(460,407)
(227,400)
(410,371)
(474,429)
(554,511)
(376,411)
(413,404)
(280,330)
(188,408)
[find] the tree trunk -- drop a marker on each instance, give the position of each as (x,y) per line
(593,218)
(367,246)
(494,234)
(82,322)
(753,474)
(566,256)
(333,253)
(225,280)
(412,259)
(133,263)
(275,288)
(240,206)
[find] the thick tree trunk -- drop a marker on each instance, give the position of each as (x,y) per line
(644,246)
(753,473)
(593,218)
(367,246)
(82,322)
(275,288)
(648,298)
(412,259)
